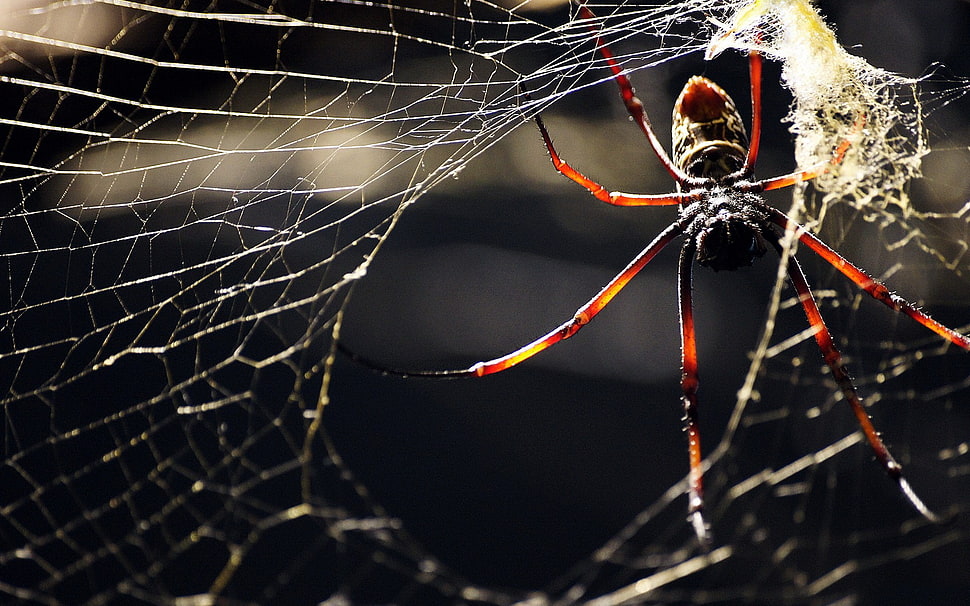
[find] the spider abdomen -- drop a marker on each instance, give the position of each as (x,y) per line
(709,138)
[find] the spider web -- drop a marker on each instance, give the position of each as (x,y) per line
(193,190)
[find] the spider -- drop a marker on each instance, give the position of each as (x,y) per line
(726,224)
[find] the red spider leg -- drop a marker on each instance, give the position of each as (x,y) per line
(689,384)
(600,192)
(805,175)
(633,104)
(833,359)
(864,281)
(581,318)
(754,68)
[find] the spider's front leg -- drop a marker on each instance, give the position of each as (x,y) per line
(689,384)
(864,281)
(583,316)
(832,357)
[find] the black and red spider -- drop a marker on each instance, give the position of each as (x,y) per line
(726,225)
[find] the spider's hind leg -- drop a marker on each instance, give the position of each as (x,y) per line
(633,104)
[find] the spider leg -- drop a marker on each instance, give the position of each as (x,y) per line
(805,175)
(689,384)
(864,281)
(754,69)
(832,357)
(600,192)
(633,105)
(581,318)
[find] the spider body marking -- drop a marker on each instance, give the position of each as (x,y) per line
(710,145)
(708,136)
(726,225)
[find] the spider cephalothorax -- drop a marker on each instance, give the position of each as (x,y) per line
(727,228)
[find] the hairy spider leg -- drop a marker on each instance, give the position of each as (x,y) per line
(832,357)
(581,318)
(616,198)
(864,281)
(633,104)
(805,175)
(689,383)
(754,143)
